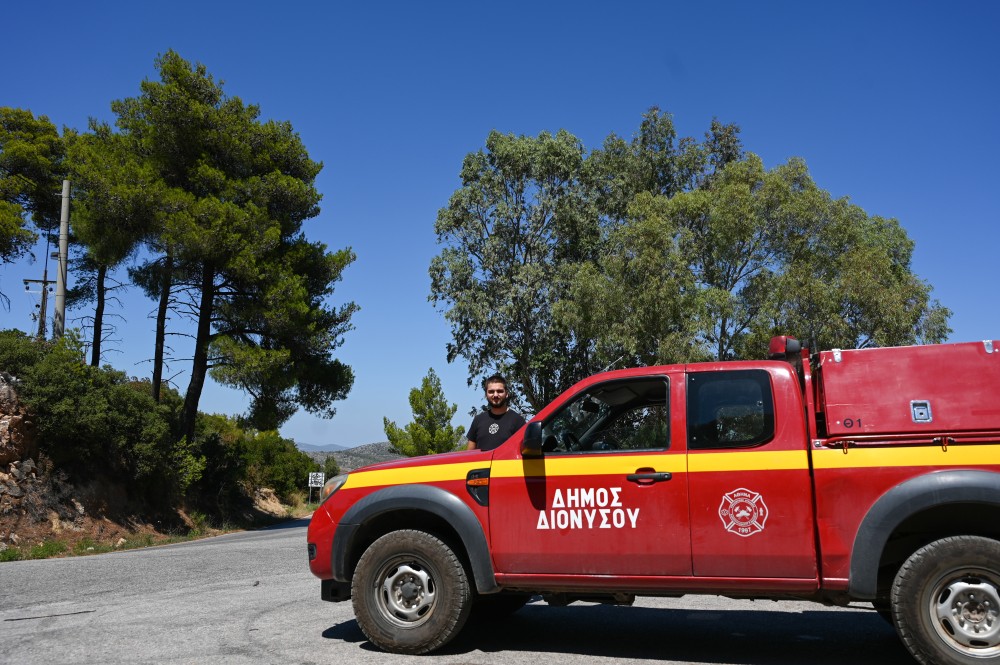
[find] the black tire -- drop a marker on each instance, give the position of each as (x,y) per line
(410,592)
(946,602)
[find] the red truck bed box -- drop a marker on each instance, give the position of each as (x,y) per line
(911,389)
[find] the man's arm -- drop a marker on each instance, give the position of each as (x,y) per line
(470,443)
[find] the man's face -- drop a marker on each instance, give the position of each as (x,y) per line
(496,394)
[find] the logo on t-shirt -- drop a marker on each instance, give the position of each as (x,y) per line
(494,428)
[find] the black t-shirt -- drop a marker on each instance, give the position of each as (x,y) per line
(488,430)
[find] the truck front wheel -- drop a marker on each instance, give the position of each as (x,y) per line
(410,592)
(946,602)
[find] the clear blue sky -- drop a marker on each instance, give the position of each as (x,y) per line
(895,105)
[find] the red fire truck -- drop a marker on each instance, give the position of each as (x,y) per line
(865,475)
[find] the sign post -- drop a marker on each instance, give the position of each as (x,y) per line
(316,479)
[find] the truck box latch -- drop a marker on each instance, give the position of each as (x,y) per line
(921,410)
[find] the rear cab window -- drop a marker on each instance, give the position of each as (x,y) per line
(729,409)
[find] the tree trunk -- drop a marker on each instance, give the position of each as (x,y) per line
(161,324)
(199,366)
(101,290)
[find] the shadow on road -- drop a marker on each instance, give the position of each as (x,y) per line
(690,636)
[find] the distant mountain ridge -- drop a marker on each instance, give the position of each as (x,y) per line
(349,459)
(326,448)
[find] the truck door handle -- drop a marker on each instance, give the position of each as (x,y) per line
(647,478)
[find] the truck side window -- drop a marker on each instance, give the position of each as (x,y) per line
(628,414)
(729,409)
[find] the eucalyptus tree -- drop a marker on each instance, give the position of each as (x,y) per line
(640,305)
(558,262)
(656,160)
(757,253)
(536,217)
(521,215)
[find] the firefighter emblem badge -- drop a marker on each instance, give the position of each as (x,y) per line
(743,512)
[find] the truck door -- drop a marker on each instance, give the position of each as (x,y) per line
(751,490)
(609,496)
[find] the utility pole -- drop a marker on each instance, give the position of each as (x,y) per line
(44,281)
(59,320)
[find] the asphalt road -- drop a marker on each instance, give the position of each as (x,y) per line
(249,598)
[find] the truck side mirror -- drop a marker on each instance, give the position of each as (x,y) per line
(531,446)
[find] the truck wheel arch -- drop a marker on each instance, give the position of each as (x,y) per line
(909,498)
(420,499)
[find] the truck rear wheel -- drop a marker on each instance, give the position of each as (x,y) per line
(410,592)
(946,602)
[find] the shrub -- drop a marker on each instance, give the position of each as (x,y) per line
(97,422)
(330,467)
(19,352)
(251,459)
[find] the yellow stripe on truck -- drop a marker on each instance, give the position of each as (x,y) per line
(411,475)
(697,462)
(779,460)
(890,456)
(586,465)
(583,465)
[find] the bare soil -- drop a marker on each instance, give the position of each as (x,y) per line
(38,507)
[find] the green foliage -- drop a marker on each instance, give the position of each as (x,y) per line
(431,430)
(713,273)
(643,273)
(772,253)
(247,460)
(275,462)
(330,467)
(532,213)
(558,263)
(91,546)
(520,215)
(232,195)
(118,205)
(113,188)
(47,549)
(96,422)
(223,483)
(275,340)
(44,550)
(15,237)
(31,171)
(19,352)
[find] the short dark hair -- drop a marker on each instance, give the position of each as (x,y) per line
(496,378)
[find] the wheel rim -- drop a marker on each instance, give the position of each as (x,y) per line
(405,593)
(965,607)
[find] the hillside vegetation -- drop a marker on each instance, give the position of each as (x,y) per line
(88,459)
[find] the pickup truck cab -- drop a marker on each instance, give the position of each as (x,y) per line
(858,475)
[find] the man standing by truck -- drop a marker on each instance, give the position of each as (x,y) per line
(498,422)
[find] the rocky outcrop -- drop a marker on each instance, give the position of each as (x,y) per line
(31,497)
(17,429)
